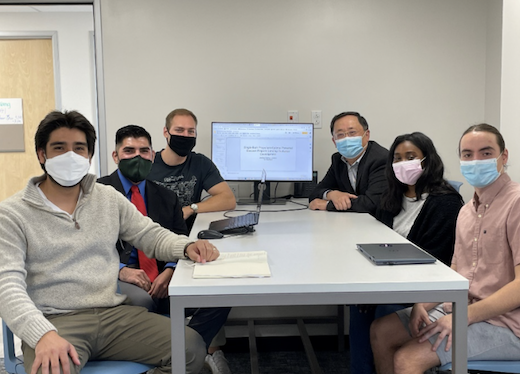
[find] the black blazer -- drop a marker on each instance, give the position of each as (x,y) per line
(162,206)
(371,181)
(434,228)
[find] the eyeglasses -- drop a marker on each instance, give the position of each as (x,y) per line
(343,135)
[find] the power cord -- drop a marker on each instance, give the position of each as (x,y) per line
(304,206)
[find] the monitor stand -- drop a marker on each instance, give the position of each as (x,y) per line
(264,202)
(266,199)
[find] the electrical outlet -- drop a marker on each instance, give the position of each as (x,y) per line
(316,118)
(234,188)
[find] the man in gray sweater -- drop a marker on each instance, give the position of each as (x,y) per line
(59,268)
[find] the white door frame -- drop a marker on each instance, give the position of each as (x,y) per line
(99,72)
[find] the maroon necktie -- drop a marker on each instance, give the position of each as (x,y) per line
(149,265)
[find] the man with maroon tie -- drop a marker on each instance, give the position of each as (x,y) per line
(146,280)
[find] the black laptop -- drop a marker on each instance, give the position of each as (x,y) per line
(395,254)
(243,223)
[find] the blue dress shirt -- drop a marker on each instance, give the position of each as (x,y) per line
(127,185)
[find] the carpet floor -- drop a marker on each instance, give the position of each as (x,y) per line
(285,356)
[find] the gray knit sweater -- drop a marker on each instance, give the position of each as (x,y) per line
(49,264)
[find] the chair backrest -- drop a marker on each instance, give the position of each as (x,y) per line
(456,185)
(490,366)
(14,365)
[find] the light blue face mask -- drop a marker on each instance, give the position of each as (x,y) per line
(350,147)
(480,173)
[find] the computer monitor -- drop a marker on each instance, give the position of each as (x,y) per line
(242,150)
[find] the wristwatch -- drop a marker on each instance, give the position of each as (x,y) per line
(194,207)
(186,248)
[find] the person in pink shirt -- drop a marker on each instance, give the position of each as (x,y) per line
(487,253)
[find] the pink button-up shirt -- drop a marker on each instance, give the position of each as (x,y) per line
(487,244)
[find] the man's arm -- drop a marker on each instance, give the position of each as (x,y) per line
(371,183)
(154,240)
(328,182)
(30,325)
(141,232)
(178,222)
(221,198)
(340,201)
(500,302)
(368,201)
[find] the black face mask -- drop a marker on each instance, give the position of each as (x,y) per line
(182,145)
(135,169)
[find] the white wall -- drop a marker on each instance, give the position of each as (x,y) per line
(493,62)
(407,65)
(510,108)
(75,55)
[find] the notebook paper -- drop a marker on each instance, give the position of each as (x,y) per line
(235,265)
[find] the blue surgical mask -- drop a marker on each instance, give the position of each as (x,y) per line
(350,147)
(480,173)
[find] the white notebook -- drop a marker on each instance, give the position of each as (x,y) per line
(235,265)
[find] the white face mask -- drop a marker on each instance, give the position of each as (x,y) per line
(67,169)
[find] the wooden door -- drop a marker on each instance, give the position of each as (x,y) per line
(26,71)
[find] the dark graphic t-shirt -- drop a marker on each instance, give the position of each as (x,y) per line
(189,179)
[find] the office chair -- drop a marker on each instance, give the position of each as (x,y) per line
(14,365)
(456,185)
(491,366)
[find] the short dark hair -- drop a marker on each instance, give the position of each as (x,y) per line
(131,131)
(360,118)
(486,128)
(179,112)
(70,119)
(431,181)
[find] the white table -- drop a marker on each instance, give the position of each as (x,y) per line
(314,261)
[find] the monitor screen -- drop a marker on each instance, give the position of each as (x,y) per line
(242,151)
